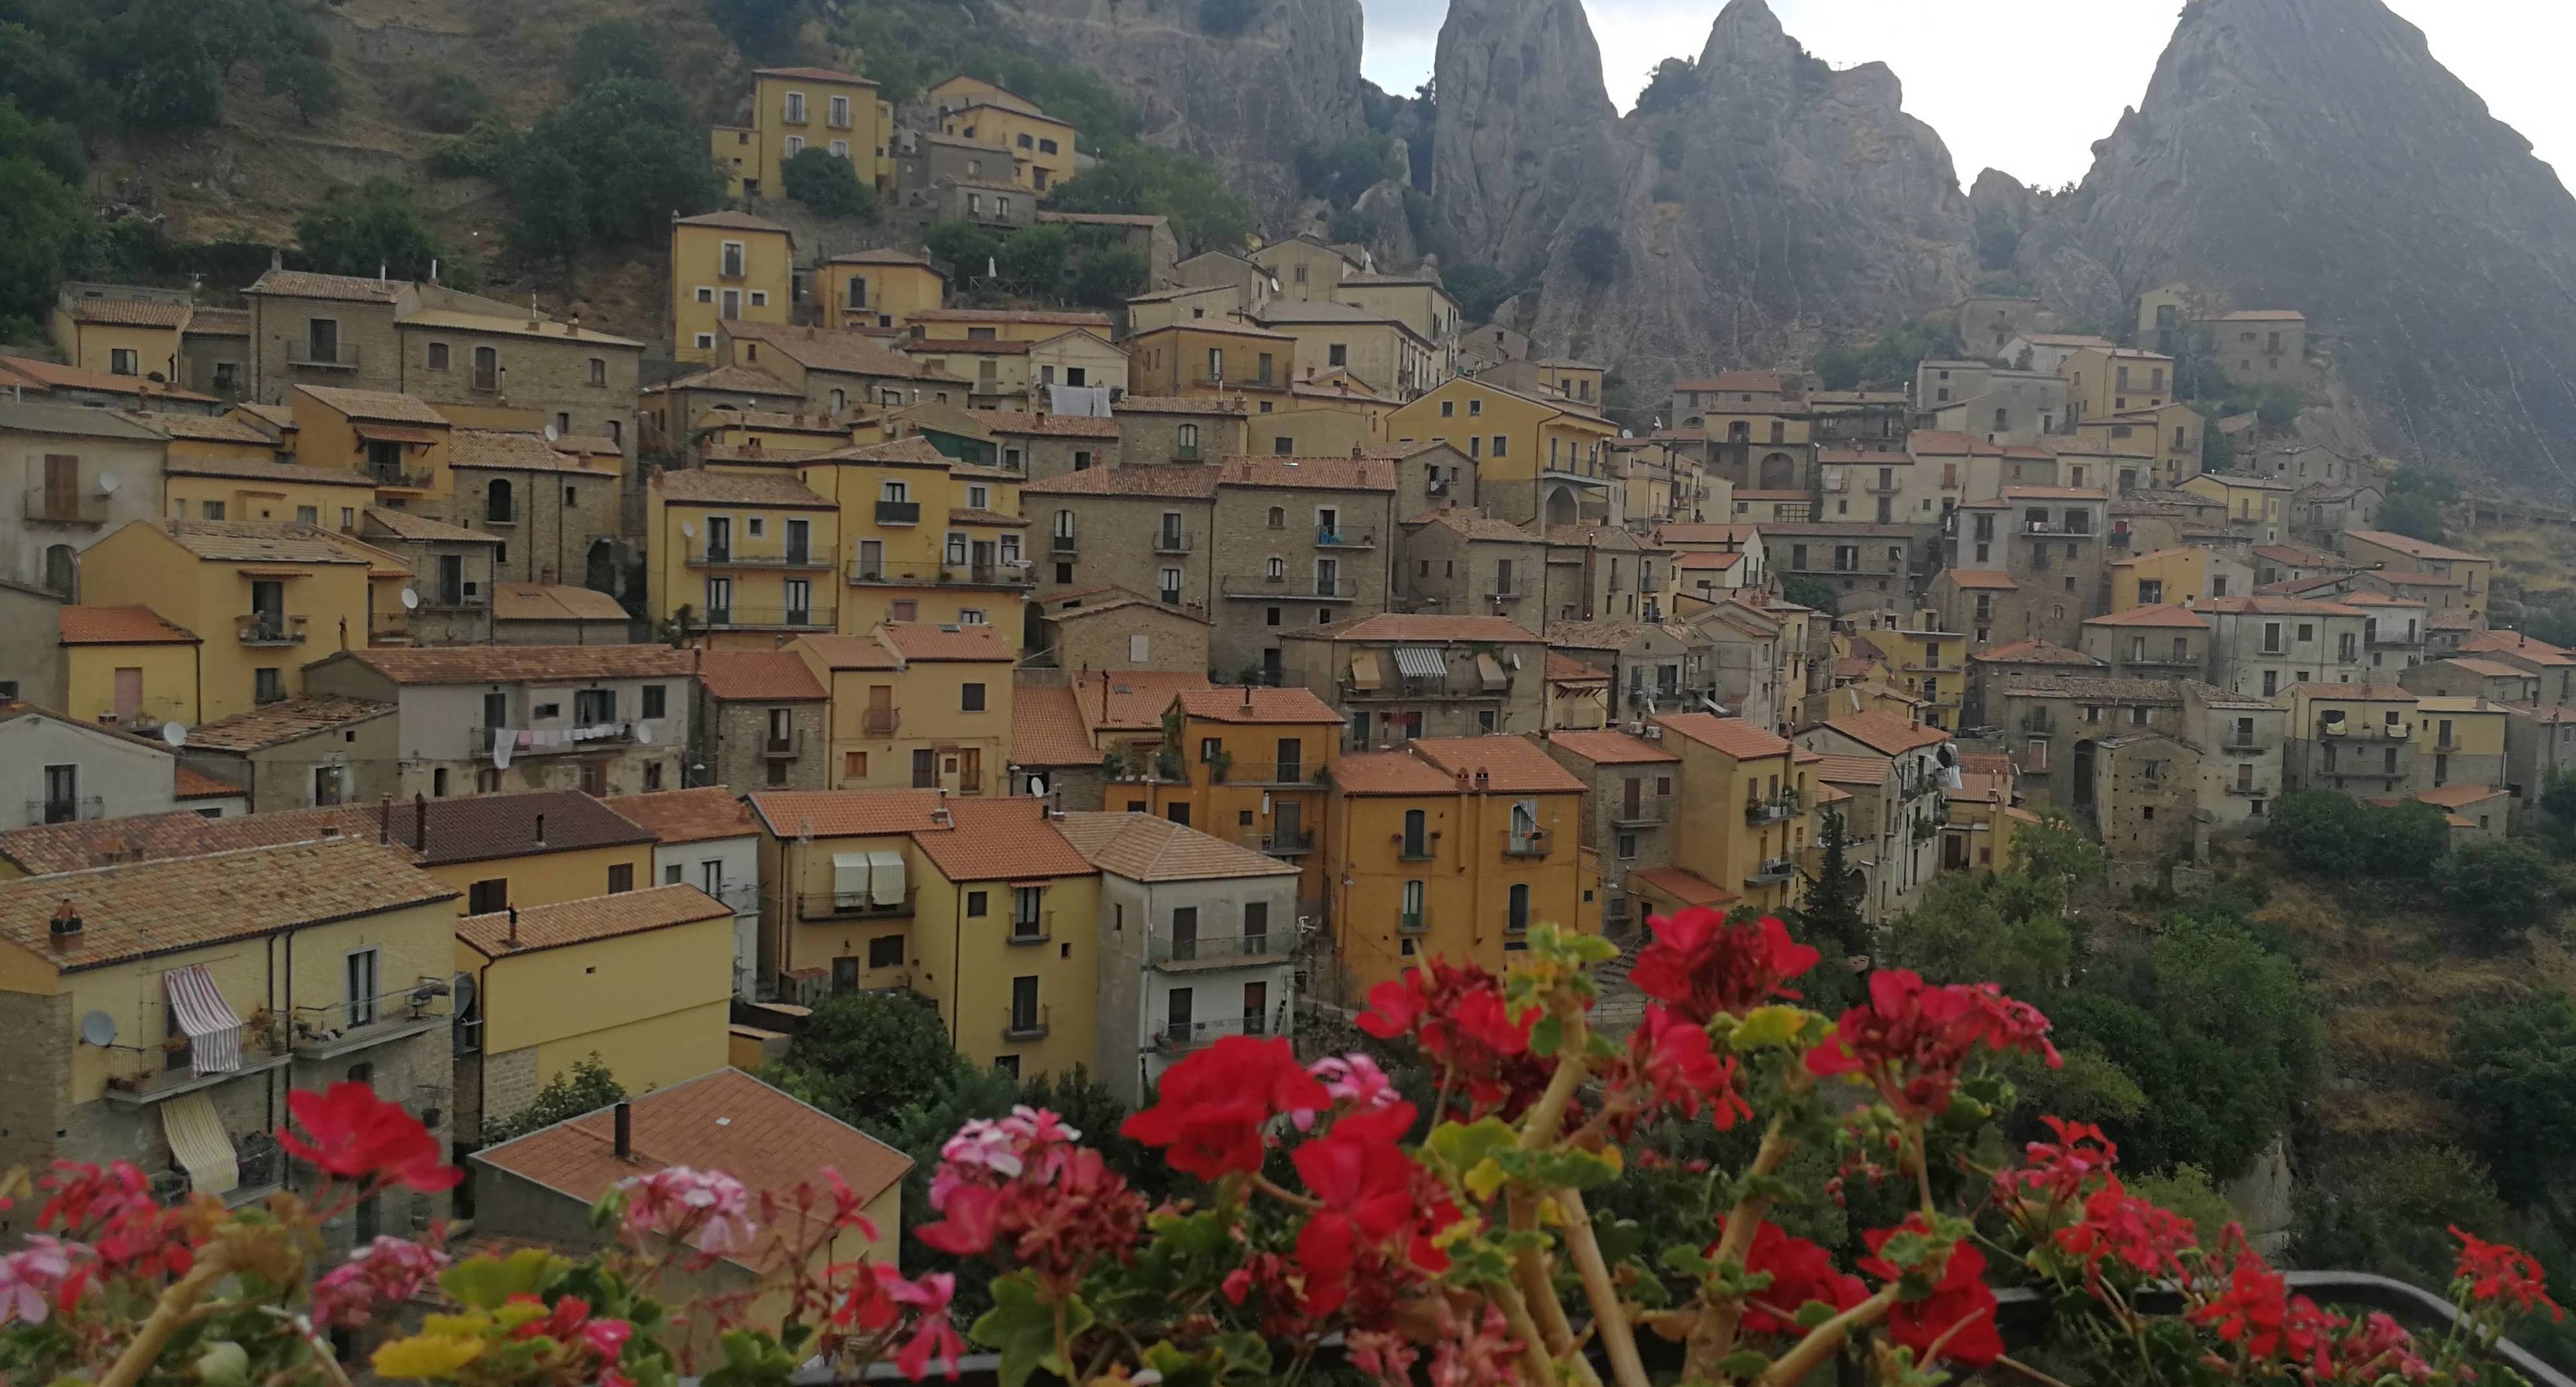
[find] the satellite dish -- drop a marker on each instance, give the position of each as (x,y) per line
(688,530)
(99,1029)
(173,734)
(553,433)
(107,483)
(465,994)
(644,734)
(411,599)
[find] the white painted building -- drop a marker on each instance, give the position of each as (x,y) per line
(707,839)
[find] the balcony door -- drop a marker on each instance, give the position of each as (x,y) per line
(62,486)
(800,541)
(1256,1008)
(1185,933)
(719,538)
(1287,821)
(268,604)
(451,580)
(1178,1020)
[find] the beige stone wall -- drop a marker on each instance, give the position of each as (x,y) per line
(1053,457)
(510,1082)
(738,756)
(1154,438)
(552,538)
(1439,570)
(1244,541)
(279,330)
(547,375)
(1113,544)
(1106,641)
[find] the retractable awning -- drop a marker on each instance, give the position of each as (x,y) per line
(1420,662)
(849,878)
(198,1142)
(1364,671)
(395,433)
(885,877)
(214,1032)
(1490,670)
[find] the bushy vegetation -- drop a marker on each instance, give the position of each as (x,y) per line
(376,229)
(2334,835)
(762,29)
(44,224)
(1135,177)
(2416,498)
(608,167)
(586,1087)
(1888,360)
(157,65)
(1596,254)
(1480,289)
(611,48)
(825,182)
(1813,593)
(448,103)
(1050,261)
(1673,82)
(1340,173)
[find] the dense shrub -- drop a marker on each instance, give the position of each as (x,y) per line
(825,182)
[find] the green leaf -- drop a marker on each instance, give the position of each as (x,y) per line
(1769,1027)
(1580,1170)
(1743,1363)
(1246,1352)
(1546,1036)
(486,1282)
(1813,1313)
(1021,1328)
(1181,1369)
(1682,1259)
(1461,1147)
(1620,1238)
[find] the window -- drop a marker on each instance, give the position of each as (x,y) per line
(796,108)
(621,877)
(840,112)
(1517,920)
(1416,836)
(970,698)
(359,972)
(438,356)
(267,685)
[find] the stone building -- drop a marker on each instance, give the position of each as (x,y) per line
(452,574)
(1871,567)
(1178,428)
(2051,541)
(2052,727)
(2261,645)
(1631,786)
(1296,542)
(1040,446)
(2165,641)
(1397,678)
(1114,629)
(762,719)
(1461,562)
(2143,808)
(558,515)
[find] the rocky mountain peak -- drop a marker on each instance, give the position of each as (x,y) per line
(1526,128)
(1747,31)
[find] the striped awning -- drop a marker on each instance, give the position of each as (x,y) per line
(1420,662)
(198,1141)
(849,879)
(214,1032)
(885,877)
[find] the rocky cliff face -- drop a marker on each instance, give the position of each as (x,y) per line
(2312,154)
(1526,136)
(1783,205)
(1245,101)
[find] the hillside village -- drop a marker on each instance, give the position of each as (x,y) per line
(565,694)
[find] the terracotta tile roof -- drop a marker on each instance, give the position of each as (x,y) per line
(1172,482)
(731,221)
(1513,765)
(2365,597)
(219,322)
(829,349)
(273,723)
(2458,796)
(731,380)
(1179,404)
(2104,690)
(851,652)
(883,256)
(2518,645)
(1565,669)
(1734,736)
(1680,535)
(967,515)
(999,839)
(1141,847)
(1982,578)
(254,541)
(1595,535)
(1309,473)
(1117,599)
(1133,700)
(2161,614)
(1939,443)
(813,74)
(1013,315)
(2054,493)
(1047,730)
(378,405)
(1475,525)
(134,625)
(403,524)
(759,676)
(2410,546)
(307,284)
(1391,626)
(552,602)
(2034,651)
(1699,560)
(141,909)
(1257,706)
(1390,773)
(2304,556)
(963,346)
(2490,669)
(187,782)
(688,816)
(201,428)
(531,928)
(498,664)
(48,375)
(726,1121)
(705,487)
(917,642)
(263,470)
(1853,770)
(1106,218)
(845,813)
(1607,748)
(1688,887)
(1048,425)
(514,452)
(1886,732)
(2273,606)
(128,312)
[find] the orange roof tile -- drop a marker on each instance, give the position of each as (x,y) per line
(1734,736)
(758,676)
(1257,705)
(1607,748)
(1852,770)
(2457,796)
(1512,765)
(271,724)
(688,816)
(530,928)
(187,782)
(1134,701)
(1000,839)
(1690,888)
(2161,614)
(142,909)
(917,642)
(495,664)
(1390,773)
(2034,651)
(120,626)
(1142,847)
(1309,473)
(1047,730)
(851,652)
(1886,731)
(1982,578)
(1390,626)
(844,813)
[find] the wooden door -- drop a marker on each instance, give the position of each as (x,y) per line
(129,696)
(62,486)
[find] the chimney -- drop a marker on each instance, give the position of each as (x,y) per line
(385,820)
(940,817)
(66,923)
(1483,780)
(625,1123)
(1247,698)
(514,924)
(1355,451)
(541,830)
(419,822)
(277,259)
(1463,779)
(573,329)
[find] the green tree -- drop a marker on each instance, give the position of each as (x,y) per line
(620,158)
(606,49)
(2390,1211)
(2502,887)
(1110,275)
(2513,1073)
(1596,254)
(825,182)
(1205,211)
(2320,831)
(865,1056)
(1815,594)
(763,29)
(448,103)
(965,247)
(585,1088)
(1673,82)
(2558,797)
(1351,226)
(1889,358)
(1478,289)
(41,75)
(1033,258)
(363,230)
(44,222)
(1340,173)
(1832,909)
(1997,239)
(2408,839)
(2005,927)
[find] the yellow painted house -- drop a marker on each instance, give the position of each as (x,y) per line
(162,1009)
(126,663)
(1451,849)
(1254,769)
(1041,146)
(798,108)
(266,599)
(1930,665)
(750,554)
(876,288)
(396,443)
(916,707)
(1535,460)
(727,267)
(2474,572)
(2114,380)
(121,336)
(642,981)
(1209,356)
(978,904)
(924,538)
(1745,811)
(2253,503)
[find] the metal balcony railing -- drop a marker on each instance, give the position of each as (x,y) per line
(1176,1036)
(43,503)
(777,747)
(399,478)
(726,556)
(63,811)
(1344,539)
(1172,542)
(1418,690)
(1292,844)
(1007,574)
(1770,870)
(578,738)
(898,512)
(270,628)
(800,618)
(1025,1023)
(1771,810)
(1412,921)
(880,722)
(332,1029)
(1060,544)
(1034,929)
(1293,774)
(1641,812)
(1206,950)
(836,905)
(1498,591)
(1291,588)
(341,357)
(1534,843)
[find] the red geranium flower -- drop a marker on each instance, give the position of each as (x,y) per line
(1912,1039)
(2257,1313)
(358,1136)
(2120,1224)
(1800,1271)
(1957,1320)
(1381,1208)
(1210,1109)
(1703,966)
(1461,1021)
(2498,1271)
(2059,1170)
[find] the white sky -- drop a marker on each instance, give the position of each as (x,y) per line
(2088,59)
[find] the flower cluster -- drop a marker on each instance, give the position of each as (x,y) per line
(385,1272)
(1946,1310)
(1023,1183)
(706,1208)
(1215,1107)
(1801,1273)
(2495,1274)
(1460,1020)
(1913,1040)
(352,1134)
(32,1276)
(1702,967)
(882,1301)
(1375,1234)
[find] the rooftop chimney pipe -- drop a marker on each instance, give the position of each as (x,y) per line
(625,1122)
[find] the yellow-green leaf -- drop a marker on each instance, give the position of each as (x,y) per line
(1769,1027)
(426,1355)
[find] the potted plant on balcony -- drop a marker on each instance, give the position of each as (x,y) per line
(1219,765)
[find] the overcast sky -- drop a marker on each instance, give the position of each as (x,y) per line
(2088,60)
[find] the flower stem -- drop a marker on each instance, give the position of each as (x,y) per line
(1542,1369)
(1530,1269)
(2026,1370)
(1825,1339)
(1714,1338)
(176,1306)
(1546,1118)
(1609,1316)
(1272,1188)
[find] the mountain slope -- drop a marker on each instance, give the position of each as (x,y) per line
(2313,154)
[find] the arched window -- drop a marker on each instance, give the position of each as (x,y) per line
(1739,432)
(840,400)
(1189,439)
(1278,518)
(497,503)
(1064,524)
(2001,416)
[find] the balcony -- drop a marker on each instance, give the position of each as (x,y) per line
(1216,951)
(716,556)
(2243,746)
(777,618)
(1060,544)
(400,479)
(787,748)
(1172,542)
(1772,810)
(898,512)
(1534,843)
(2250,791)
(1295,775)
(339,356)
(1342,539)
(1770,871)
(1882,488)
(1037,929)
(1496,590)
(343,1028)
(45,505)
(1461,687)
(64,811)
(853,905)
(1185,452)
(1293,844)
(1287,589)
(143,1090)
(1010,574)
(1419,850)
(880,722)
(580,738)
(1176,1037)
(1413,922)
(1645,811)
(270,628)
(1019,1024)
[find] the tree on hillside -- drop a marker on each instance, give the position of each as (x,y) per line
(825,182)
(2501,887)
(612,48)
(372,229)
(763,29)
(1110,275)
(1340,173)
(1205,211)
(1478,289)
(44,221)
(1673,82)
(586,1087)
(1832,909)
(1815,594)
(611,165)
(1596,254)
(2513,1073)
(2320,831)
(865,1056)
